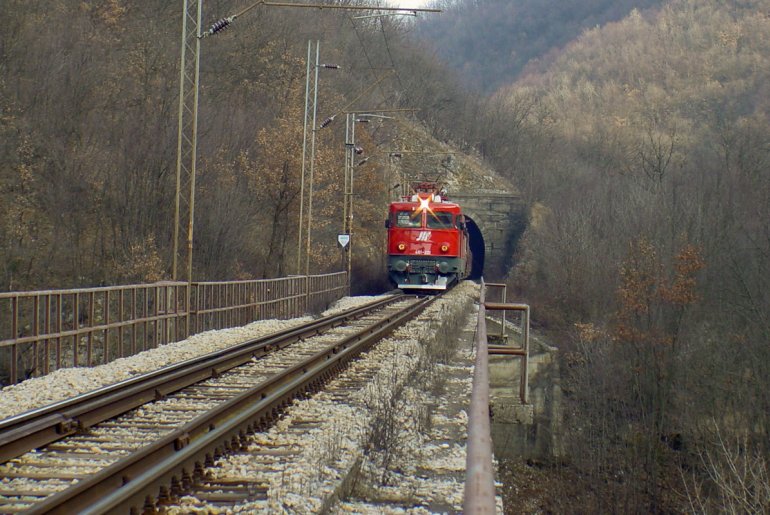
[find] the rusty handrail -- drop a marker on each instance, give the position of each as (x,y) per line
(45,330)
(42,331)
(479,469)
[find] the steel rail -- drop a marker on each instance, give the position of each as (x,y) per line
(125,485)
(30,430)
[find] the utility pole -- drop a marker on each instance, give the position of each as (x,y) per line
(350,156)
(351,150)
(306,121)
(186,153)
(189,86)
(311,113)
(312,163)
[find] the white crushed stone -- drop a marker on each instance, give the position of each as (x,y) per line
(326,457)
(64,383)
(351,302)
(337,444)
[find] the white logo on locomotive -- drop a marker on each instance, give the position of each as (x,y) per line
(423,236)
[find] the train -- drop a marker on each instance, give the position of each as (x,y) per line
(427,240)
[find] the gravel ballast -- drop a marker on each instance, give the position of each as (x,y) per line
(64,383)
(396,445)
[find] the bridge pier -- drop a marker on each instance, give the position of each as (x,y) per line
(530,431)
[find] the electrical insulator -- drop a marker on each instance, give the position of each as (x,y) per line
(326,122)
(359,150)
(220,25)
(331,66)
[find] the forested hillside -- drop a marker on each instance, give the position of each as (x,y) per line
(644,150)
(640,141)
(491,42)
(88,136)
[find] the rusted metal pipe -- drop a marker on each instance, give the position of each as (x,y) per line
(522,351)
(509,306)
(479,470)
(505,350)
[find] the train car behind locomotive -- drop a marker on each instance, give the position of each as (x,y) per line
(427,241)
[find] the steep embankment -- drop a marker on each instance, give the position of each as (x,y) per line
(424,158)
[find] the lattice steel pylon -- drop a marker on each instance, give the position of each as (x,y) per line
(186,157)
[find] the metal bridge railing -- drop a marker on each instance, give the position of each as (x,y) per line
(479,469)
(479,497)
(42,331)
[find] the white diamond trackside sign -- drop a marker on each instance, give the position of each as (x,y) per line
(343,240)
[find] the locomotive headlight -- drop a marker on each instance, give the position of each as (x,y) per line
(444,247)
(402,247)
(443,267)
(400,265)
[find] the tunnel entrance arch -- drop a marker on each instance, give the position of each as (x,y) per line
(478,251)
(498,220)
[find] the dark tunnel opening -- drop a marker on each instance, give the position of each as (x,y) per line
(476,243)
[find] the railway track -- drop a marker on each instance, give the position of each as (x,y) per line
(173,423)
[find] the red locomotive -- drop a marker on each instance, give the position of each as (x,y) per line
(427,241)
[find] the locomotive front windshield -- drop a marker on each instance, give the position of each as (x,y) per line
(440,220)
(407,219)
(434,219)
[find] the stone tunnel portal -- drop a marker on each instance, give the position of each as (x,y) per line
(476,243)
(496,220)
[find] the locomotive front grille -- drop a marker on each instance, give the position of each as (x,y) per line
(422,265)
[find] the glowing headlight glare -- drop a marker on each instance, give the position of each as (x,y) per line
(401,246)
(424,205)
(444,247)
